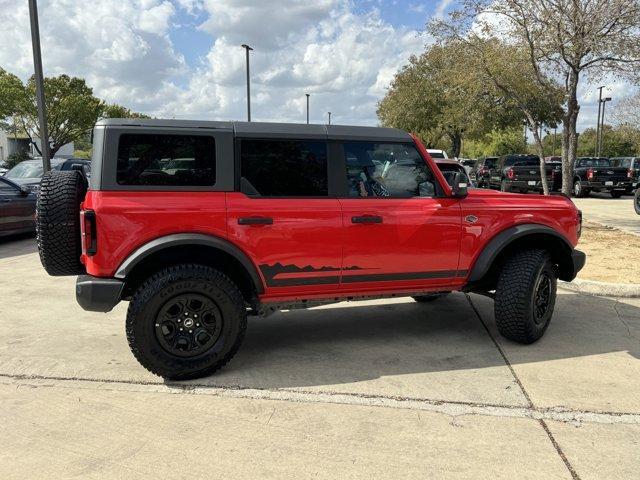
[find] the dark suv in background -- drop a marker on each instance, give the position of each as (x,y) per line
(632,164)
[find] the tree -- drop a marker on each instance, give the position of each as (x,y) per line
(437,95)
(114,110)
(496,143)
(566,38)
(627,111)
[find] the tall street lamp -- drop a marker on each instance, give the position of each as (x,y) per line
(596,153)
(308,95)
(247,49)
(604,104)
(37,63)
(329,117)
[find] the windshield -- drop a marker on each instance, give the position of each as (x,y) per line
(30,169)
(595,162)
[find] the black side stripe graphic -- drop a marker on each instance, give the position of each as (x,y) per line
(271,271)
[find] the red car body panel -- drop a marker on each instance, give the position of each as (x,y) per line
(312,250)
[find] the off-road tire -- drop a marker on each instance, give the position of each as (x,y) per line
(58,222)
(160,288)
(516,292)
(430,297)
(636,201)
(504,187)
(616,193)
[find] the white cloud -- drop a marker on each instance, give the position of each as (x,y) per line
(124,50)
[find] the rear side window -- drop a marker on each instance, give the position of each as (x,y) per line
(166,160)
(283,168)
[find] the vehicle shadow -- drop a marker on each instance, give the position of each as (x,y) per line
(347,344)
(16,245)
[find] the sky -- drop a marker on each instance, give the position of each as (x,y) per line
(183,58)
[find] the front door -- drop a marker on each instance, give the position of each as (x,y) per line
(284,219)
(399,233)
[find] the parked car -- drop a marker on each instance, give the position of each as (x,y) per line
(597,174)
(437,153)
(449,168)
(470,166)
(632,164)
(483,171)
(636,199)
(520,172)
(17,208)
(29,172)
(279,216)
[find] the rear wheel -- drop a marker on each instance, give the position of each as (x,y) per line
(525,296)
(58,222)
(578,190)
(430,297)
(636,201)
(186,321)
(616,193)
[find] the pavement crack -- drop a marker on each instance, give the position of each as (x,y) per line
(541,421)
(622,320)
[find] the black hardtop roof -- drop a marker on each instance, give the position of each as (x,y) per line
(270,130)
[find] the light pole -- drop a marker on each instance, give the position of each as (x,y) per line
(247,49)
(596,153)
(37,63)
(604,104)
(308,95)
(329,117)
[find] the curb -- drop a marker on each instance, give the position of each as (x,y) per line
(603,289)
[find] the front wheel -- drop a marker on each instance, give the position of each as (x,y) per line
(186,321)
(636,201)
(525,296)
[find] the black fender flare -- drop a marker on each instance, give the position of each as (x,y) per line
(506,237)
(178,239)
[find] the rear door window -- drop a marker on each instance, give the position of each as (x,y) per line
(166,160)
(283,168)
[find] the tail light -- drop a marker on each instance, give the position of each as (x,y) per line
(631,173)
(89,232)
(590,174)
(510,173)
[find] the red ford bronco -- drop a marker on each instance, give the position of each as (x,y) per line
(200,224)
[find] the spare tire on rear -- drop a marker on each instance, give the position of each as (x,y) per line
(58,222)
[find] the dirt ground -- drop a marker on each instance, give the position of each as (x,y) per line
(611,254)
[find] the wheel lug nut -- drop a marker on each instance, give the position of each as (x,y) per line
(190,331)
(180,328)
(196,316)
(157,324)
(197,324)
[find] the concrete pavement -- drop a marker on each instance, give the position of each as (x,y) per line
(384,389)
(612,212)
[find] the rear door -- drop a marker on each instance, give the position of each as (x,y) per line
(399,233)
(283,216)
(16,209)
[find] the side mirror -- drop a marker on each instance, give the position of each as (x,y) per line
(460,185)
(24,191)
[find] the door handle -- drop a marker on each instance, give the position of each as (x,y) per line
(255,221)
(367,219)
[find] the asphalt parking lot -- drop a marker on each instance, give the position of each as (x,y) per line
(383,389)
(612,212)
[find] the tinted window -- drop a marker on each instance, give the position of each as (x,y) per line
(449,171)
(524,161)
(490,162)
(166,160)
(284,168)
(595,162)
(621,162)
(387,170)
